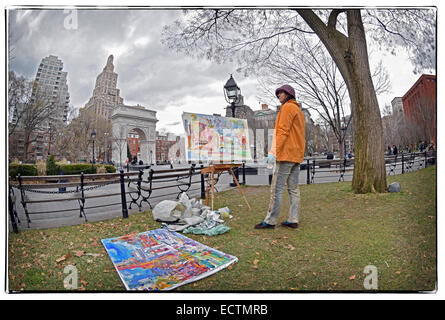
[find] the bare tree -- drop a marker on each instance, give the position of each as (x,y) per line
(319,86)
(119,143)
(253,36)
(19,95)
(74,141)
(34,117)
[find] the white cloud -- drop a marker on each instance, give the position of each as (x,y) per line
(142,42)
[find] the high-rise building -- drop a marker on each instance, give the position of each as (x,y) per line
(51,86)
(105,94)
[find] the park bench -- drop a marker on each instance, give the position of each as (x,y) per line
(410,158)
(61,188)
(339,164)
(392,162)
(430,157)
(164,179)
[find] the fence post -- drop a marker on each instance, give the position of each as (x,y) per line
(313,170)
(22,194)
(203,189)
(11,213)
(403,164)
(123,197)
(82,200)
(425,159)
(244,174)
(308,178)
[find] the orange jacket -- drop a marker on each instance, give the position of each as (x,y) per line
(289,141)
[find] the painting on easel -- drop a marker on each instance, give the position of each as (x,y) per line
(215,138)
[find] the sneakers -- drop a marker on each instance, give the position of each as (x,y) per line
(264,225)
(293,225)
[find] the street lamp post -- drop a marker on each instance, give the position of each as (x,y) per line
(106,148)
(231,94)
(93,138)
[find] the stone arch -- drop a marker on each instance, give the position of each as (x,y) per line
(143,142)
(126,119)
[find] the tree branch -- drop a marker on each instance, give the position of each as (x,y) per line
(332,22)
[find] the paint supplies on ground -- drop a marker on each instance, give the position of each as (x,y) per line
(191,216)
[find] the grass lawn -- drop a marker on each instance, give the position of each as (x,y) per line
(340,234)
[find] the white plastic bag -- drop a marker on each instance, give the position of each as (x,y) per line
(184,199)
(167,210)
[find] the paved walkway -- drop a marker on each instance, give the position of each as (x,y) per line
(113,204)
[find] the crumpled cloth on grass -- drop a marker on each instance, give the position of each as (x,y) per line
(219,229)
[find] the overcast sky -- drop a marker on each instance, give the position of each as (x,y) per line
(149,73)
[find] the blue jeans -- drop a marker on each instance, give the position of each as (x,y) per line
(284,172)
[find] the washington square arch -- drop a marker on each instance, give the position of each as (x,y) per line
(126,119)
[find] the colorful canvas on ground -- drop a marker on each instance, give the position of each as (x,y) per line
(163,260)
(215,138)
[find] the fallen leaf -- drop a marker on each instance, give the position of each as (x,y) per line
(63,258)
(79,253)
(397,272)
(352,277)
(291,247)
(255,263)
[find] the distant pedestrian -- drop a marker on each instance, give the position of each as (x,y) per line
(287,153)
(394,150)
(431,147)
(389,151)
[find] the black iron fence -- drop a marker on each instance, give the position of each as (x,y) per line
(340,169)
(138,187)
(134,188)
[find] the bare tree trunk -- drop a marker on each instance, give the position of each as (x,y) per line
(369,165)
(351,57)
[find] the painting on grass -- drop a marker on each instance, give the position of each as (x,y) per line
(216,138)
(163,260)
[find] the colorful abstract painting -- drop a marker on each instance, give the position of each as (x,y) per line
(215,138)
(163,260)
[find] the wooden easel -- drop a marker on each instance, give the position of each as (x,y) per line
(218,169)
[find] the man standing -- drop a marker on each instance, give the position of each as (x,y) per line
(287,152)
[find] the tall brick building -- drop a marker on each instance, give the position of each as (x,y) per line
(419,105)
(106,96)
